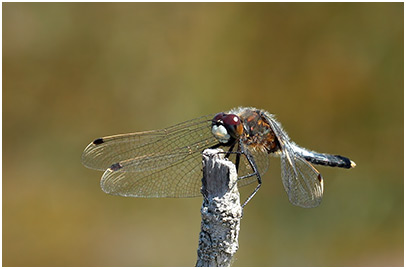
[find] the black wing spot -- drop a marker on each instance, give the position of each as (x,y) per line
(319,177)
(98,141)
(116,166)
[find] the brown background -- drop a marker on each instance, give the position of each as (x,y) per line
(332,73)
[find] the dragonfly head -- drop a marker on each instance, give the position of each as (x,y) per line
(226,127)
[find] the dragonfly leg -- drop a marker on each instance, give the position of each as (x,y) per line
(253,193)
(255,172)
(251,161)
(246,176)
(237,158)
(230,150)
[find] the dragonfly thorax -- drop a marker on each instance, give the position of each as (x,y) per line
(258,134)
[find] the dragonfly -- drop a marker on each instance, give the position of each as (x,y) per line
(167,162)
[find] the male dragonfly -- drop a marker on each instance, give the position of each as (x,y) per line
(167,162)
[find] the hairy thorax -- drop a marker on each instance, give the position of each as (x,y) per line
(258,134)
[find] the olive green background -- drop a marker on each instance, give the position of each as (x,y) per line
(332,73)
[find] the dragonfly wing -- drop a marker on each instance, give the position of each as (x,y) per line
(182,178)
(162,163)
(302,182)
(106,151)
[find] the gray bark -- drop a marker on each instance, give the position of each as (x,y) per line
(221,211)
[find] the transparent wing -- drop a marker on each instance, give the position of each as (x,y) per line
(181,178)
(302,182)
(106,151)
(161,163)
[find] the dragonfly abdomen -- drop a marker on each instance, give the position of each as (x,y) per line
(330,160)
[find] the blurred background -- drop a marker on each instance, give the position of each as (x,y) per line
(332,73)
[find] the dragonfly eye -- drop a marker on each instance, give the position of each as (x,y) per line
(226,127)
(233,124)
(218,118)
(231,119)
